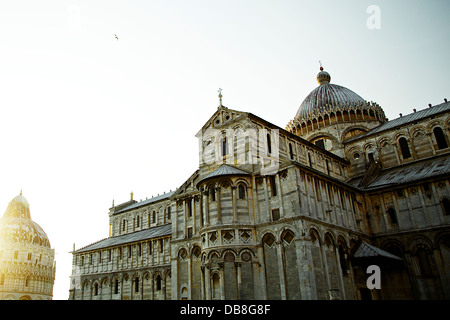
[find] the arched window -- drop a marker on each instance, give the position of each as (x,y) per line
(291,152)
(96,289)
(213,193)
(392,215)
(269,144)
(343,258)
(216,286)
(116,286)
(224,146)
(158,282)
(136,284)
(424,259)
(241,192)
(273,186)
(440,138)
(445,203)
(137,221)
(404,148)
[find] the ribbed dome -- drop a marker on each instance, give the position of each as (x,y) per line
(327,97)
(16,224)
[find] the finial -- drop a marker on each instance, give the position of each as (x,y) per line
(20,191)
(323,77)
(131,194)
(113,203)
(220,97)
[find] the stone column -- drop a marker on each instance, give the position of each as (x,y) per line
(239,279)
(111,288)
(163,285)
(261,274)
(281,268)
(202,282)
(234,202)
(222,280)
(207,208)
(189,277)
(174,286)
(306,270)
(341,277)
(218,200)
(194,199)
(207,282)
(152,285)
(250,205)
(267,201)
(201,208)
(280,195)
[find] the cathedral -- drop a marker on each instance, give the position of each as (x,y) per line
(27,261)
(300,213)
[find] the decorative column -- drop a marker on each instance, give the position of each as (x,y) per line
(233,200)
(237,265)
(222,280)
(218,200)
(189,276)
(152,285)
(163,285)
(206,208)
(281,268)
(341,276)
(201,207)
(267,201)
(202,282)
(250,205)
(111,288)
(174,285)
(280,196)
(261,274)
(207,282)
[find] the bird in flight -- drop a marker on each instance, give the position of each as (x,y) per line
(115,36)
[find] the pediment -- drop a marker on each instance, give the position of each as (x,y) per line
(222,118)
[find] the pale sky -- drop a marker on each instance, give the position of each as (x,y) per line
(86,118)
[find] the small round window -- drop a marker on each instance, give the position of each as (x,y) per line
(356,156)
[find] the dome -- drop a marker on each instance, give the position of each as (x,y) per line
(327,97)
(16,224)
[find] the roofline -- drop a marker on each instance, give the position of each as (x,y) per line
(85,248)
(403,165)
(371,132)
(207,177)
(141,203)
(300,139)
